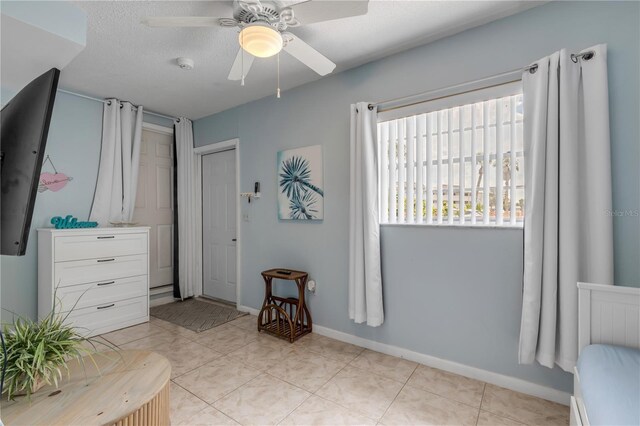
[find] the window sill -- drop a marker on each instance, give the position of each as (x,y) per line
(517,227)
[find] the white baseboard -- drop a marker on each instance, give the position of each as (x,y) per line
(249,310)
(162,301)
(513,383)
(497,379)
(162,289)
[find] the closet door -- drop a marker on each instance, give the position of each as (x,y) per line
(154,203)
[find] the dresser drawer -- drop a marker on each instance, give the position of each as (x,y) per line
(103,269)
(100,293)
(109,316)
(79,247)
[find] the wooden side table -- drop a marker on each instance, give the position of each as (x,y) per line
(285,317)
(129,388)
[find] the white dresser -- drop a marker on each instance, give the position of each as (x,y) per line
(101,276)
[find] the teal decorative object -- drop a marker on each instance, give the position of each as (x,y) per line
(70,222)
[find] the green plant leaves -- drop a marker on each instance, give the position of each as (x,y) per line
(38,352)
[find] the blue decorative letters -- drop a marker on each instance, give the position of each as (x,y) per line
(70,222)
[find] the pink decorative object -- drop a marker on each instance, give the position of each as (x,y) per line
(52,181)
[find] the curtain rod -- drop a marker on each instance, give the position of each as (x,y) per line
(495,80)
(80,95)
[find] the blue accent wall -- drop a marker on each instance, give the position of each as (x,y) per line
(74,146)
(450,293)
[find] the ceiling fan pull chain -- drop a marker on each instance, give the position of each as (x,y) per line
(242,64)
(278,91)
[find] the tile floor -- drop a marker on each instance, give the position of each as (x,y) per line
(233,375)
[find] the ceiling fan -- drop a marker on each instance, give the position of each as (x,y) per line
(263,29)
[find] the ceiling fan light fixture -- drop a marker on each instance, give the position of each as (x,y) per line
(260,40)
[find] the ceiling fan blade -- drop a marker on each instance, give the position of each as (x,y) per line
(236,68)
(312,11)
(180,21)
(308,55)
(253,6)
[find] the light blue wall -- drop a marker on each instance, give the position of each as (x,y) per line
(74,146)
(451,293)
(5,95)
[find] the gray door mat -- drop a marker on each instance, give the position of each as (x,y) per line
(195,314)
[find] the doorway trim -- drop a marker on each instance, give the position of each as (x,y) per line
(157,128)
(198,153)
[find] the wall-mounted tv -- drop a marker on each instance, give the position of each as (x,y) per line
(24,129)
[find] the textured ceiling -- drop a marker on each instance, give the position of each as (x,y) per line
(127,60)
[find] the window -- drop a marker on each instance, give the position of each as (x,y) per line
(454,161)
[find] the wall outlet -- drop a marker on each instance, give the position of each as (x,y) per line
(311,286)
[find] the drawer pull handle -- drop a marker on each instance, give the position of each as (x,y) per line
(107,237)
(107,283)
(107,306)
(106,260)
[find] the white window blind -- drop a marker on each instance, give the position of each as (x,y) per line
(458,165)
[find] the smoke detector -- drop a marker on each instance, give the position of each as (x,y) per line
(185,63)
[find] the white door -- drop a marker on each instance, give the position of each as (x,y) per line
(219,197)
(154,203)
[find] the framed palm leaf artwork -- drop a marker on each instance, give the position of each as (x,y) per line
(300,185)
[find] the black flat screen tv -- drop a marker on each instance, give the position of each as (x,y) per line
(24,129)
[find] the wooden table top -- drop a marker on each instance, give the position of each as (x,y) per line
(275,273)
(128,380)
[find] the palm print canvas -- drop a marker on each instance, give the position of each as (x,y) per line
(300,193)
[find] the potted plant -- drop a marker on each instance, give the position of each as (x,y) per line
(37,352)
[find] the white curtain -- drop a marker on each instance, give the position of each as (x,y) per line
(568,229)
(365,277)
(114,199)
(189,264)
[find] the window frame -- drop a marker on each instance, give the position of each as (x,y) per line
(457,96)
